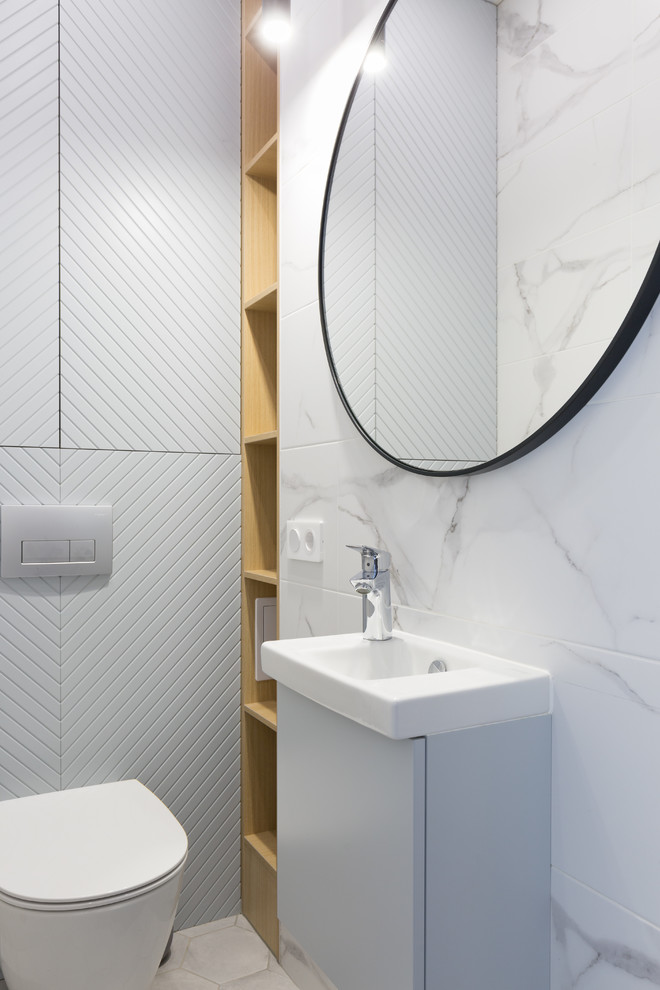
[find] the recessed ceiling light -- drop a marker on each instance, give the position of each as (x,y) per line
(376,58)
(275,27)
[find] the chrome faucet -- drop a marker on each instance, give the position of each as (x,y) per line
(373,583)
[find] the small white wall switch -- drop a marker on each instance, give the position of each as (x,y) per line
(304,539)
(265,628)
(52,540)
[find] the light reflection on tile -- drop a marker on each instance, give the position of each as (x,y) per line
(226,955)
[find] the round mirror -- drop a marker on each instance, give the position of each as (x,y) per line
(488,247)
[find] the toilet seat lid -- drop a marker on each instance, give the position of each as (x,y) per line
(87,843)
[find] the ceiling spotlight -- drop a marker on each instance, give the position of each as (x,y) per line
(376,58)
(275,21)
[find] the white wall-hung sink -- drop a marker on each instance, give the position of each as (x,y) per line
(387,685)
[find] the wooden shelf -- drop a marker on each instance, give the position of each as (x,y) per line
(265,845)
(260,468)
(265,576)
(270,437)
(259,369)
(260,88)
(260,895)
(264,711)
(264,301)
(259,235)
(264,163)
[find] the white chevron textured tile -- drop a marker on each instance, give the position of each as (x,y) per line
(150,656)
(432,403)
(29,283)
(151,221)
(136,674)
(412,328)
(349,259)
(29,644)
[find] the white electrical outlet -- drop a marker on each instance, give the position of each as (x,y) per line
(304,539)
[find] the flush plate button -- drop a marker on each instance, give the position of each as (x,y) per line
(82,550)
(51,540)
(44,551)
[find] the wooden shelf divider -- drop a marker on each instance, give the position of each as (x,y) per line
(265,576)
(264,301)
(264,711)
(264,163)
(265,845)
(268,437)
(260,468)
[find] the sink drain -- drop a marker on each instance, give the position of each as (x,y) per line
(437,667)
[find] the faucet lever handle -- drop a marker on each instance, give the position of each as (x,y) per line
(373,560)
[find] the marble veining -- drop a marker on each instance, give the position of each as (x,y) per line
(646,169)
(551,560)
(590,959)
(364,519)
(648,33)
(583,68)
(572,295)
(617,683)
(535,125)
(646,41)
(577,146)
(518,34)
(619,675)
(510,547)
(576,184)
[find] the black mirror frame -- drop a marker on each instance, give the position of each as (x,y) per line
(623,338)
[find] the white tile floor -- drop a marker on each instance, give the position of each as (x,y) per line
(223,955)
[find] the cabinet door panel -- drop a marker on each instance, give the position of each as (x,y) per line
(350,846)
(488,857)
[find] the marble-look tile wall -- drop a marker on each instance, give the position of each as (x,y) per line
(551,560)
(576,89)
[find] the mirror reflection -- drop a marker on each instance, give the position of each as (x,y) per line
(485,233)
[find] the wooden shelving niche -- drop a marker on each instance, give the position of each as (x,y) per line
(260,466)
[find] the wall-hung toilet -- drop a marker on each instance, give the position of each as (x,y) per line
(89,884)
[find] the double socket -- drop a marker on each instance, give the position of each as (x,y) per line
(304,539)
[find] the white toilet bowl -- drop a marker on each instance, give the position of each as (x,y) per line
(89,884)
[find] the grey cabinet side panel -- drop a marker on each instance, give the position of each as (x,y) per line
(488,857)
(347,856)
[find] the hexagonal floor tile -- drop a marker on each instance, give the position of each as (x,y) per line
(226,955)
(180,979)
(265,980)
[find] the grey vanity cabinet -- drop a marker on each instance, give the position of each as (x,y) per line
(415,864)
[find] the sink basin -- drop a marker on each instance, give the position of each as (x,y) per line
(387,685)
